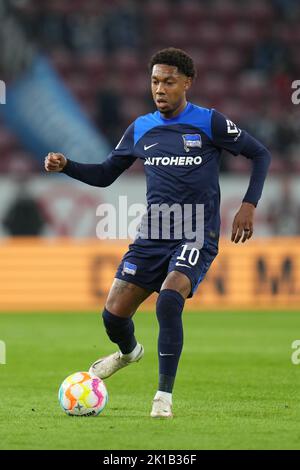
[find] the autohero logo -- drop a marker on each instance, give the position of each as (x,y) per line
(2,92)
(178,161)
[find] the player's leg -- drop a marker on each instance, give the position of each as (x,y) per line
(186,270)
(123,300)
(169,307)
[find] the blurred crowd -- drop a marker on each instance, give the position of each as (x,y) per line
(247,56)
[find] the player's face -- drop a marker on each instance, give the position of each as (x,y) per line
(168,88)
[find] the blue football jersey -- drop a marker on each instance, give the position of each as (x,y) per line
(181,158)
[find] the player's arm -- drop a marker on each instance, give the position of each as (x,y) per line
(261,158)
(228,136)
(102,174)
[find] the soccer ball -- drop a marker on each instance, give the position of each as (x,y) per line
(82,394)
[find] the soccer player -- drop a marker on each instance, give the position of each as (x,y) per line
(180,145)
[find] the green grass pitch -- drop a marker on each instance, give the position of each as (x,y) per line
(236,386)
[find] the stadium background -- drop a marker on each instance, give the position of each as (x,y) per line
(247,56)
(76,76)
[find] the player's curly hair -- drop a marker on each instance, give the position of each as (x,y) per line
(176,57)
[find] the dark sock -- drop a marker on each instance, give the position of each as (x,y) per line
(169,308)
(120,331)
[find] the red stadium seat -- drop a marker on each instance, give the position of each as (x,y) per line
(135,85)
(259,11)
(60,6)
(200,59)
(89,106)
(214,87)
(176,34)
(131,108)
(79,86)
(226,12)
(239,165)
(208,35)
(251,86)
(158,13)
(8,142)
(242,35)
(64,62)
(296,160)
(125,61)
(192,13)
(92,63)
(19,162)
(277,163)
(227,61)
(295,56)
(93,67)
(232,108)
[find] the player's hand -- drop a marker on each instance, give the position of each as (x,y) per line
(242,227)
(55,162)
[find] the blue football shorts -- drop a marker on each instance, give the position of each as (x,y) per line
(147,262)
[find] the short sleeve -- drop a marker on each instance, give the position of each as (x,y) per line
(226,134)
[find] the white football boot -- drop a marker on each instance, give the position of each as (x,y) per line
(161,408)
(108,365)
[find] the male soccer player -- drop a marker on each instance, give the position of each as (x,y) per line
(180,145)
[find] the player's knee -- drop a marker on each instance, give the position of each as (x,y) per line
(117,307)
(117,327)
(178,282)
(118,303)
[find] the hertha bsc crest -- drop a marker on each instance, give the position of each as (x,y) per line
(191,141)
